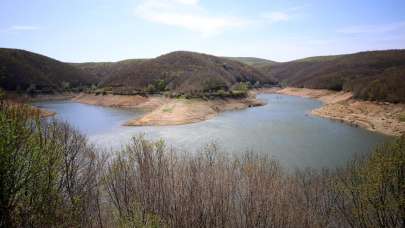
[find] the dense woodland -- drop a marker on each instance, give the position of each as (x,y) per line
(27,72)
(50,176)
(187,72)
(254,62)
(177,73)
(104,70)
(374,75)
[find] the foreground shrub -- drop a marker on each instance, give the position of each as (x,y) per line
(372,190)
(48,173)
(51,177)
(210,189)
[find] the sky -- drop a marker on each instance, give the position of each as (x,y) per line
(280,30)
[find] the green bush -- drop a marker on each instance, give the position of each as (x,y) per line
(241,87)
(212,84)
(160,85)
(150,88)
(156,87)
(48,173)
(372,189)
(65,85)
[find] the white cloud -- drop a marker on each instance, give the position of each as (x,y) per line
(282,15)
(189,2)
(275,16)
(384,28)
(24,27)
(187,14)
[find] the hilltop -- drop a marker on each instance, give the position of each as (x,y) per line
(254,62)
(29,72)
(373,75)
(179,72)
(187,72)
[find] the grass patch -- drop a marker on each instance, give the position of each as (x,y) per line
(181,97)
(168,110)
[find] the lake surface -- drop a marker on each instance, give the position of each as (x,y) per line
(283,128)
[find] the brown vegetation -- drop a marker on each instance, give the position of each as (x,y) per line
(103,70)
(188,72)
(27,72)
(51,176)
(254,62)
(375,75)
(177,73)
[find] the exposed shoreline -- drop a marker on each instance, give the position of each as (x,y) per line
(43,113)
(122,101)
(379,117)
(162,111)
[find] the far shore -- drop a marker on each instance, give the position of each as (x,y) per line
(380,117)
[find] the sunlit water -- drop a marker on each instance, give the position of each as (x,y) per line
(283,128)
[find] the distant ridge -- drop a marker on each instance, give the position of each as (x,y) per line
(20,70)
(188,72)
(254,62)
(372,75)
(181,71)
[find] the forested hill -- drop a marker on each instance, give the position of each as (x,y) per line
(103,70)
(254,62)
(179,72)
(23,70)
(188,72)
(373,75)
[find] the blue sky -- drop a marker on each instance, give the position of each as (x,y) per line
(281,30)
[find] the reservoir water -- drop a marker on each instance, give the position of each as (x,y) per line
(283,128)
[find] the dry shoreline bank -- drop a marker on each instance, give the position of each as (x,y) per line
(164,111)
(43,113)
(160,110)
(375,116)
(380,117)
(15,98)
